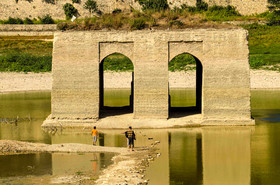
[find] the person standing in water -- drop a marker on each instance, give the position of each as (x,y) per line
(130,135)
(94,134)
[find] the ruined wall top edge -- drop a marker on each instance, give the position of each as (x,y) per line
(39,8)
(157,30)
(146,31)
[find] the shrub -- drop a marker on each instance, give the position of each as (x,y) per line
(216,13)
(201,6)
(116,10)
(25,0)
(49,1)
(91,6)
(156,5)
(76,1)
(25,62)
(223,11)
(257,62)
(28,21)
(13,21)
(117,62)
(274,18)
(274,5)
(69,10)
(177,10)
(137,24)
(47,19)
(182,62)
(62,26)
(175,23)
(188,8)
(254,26)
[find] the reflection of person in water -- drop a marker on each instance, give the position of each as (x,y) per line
(94,163)
(130,135)
(94,134)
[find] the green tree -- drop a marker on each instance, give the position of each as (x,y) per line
(47,19)
(274,6)
(69,10)
(91,6)
(76,1)
(156,5)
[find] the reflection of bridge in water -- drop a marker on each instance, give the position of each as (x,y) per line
(216,155)
(222,78)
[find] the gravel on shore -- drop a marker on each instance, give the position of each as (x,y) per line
(13,82)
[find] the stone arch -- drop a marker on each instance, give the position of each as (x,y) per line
(101,86)
(199,78)
(108,48)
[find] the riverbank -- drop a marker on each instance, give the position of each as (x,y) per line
(15,82)
(127,168)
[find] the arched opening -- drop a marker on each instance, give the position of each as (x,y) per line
(116,85)
(185,93)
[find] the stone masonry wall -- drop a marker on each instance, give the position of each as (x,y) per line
(35,8)
(223,54)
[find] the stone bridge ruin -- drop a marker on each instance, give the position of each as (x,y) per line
(222,84)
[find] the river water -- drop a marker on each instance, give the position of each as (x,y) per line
(206,155)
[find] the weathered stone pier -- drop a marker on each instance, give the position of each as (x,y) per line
(222,80)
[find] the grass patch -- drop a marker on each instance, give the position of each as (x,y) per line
(25,54)
(26,44)
(264,46)
(25,62)
(41,37)
(47,19)
(136,20)
(263,39)
(79,173)
(220,13)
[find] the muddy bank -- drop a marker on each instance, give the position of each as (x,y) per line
(127,168)
(12,147)
(11,82)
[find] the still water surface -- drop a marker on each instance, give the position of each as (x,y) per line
(215,155)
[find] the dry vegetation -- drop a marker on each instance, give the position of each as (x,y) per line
(136,20)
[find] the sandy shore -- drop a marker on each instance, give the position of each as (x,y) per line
(11,82)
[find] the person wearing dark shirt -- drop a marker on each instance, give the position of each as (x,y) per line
(130,135)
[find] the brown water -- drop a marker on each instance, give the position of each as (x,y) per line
(215,155)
